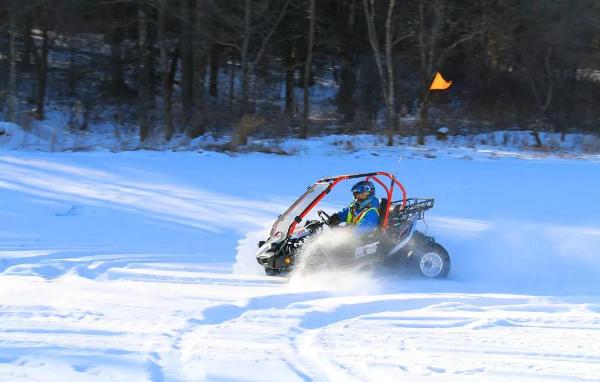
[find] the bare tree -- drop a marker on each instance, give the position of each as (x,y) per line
(349,51)
(42,66)
(165,68)
(307,66)
(199,55)
(117,79)
(542,82)
(384,59)
(144,91)
(545,57)
(431,21)
(249,31)
(186,48)
(12,65)
(290,69)
(119,17)
(214,70)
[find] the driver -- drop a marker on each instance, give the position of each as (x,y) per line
(363,212)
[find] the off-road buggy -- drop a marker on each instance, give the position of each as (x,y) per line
(395,243)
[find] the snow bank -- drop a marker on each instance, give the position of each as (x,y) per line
(11,135)
(58,133)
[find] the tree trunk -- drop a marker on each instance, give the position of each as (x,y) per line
(72,77)
(423,122)
(543,91)
(290,63)
(187,62)
(28,45)
(214,70)
(538,139)
(202,69)
(245,86)
(167,90)
(117,79)
(307,67)
(391,107)
(174,62)
(151,63)
(231,82)
(143,74)
(11,110)
(345,96)
(199,54)
(42,76)
(427,41)
(245,80)
(384,67)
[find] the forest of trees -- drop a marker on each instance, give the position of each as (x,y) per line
(242,67)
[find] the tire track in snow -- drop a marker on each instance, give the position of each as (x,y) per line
(412,338)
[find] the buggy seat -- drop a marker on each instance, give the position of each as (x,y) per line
(383,204)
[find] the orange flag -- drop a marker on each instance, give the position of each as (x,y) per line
(439,83)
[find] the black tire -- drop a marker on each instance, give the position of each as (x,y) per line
(430,260)
(272,272)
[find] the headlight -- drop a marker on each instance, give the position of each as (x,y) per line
(269,244)
(262,250)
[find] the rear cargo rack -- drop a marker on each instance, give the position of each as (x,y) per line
(413,210)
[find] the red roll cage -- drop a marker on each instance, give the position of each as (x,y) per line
(333,181)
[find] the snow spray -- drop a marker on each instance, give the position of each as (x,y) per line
(322,265)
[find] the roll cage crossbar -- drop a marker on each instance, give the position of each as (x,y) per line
(375,176)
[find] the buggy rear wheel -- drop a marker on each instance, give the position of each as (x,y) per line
(431,260)
(272,272)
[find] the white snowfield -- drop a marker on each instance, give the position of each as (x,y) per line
(139,266)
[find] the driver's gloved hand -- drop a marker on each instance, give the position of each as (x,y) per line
(334,220)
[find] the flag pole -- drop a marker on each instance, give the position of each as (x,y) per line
(412,126)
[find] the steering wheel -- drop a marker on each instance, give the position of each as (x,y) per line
(323,216)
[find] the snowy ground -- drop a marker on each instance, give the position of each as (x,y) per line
(139,266)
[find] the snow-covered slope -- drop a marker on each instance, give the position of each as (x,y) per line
(139,266)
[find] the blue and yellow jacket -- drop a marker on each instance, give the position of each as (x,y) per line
(364,219)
